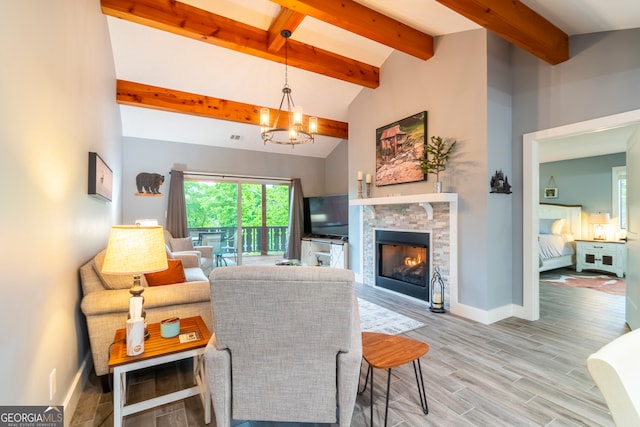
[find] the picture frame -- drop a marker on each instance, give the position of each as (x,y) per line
(550,193)
(100,178)
(399,148)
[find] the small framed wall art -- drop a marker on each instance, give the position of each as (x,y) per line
(550,193)
(100,178)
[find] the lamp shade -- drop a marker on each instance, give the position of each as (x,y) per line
(134,250)
(599,218)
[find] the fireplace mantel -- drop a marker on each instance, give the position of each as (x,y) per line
(423,200)
(414,198)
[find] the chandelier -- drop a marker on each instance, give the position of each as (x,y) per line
(295,133)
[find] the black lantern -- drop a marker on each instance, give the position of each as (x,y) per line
(437,293)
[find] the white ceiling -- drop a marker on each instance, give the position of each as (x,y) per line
(150,56)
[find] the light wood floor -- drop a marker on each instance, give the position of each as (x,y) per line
(511,373)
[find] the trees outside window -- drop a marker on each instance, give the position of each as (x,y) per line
(261,218)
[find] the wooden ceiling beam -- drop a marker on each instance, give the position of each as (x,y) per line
(358,19)
(158,98)
(188,21)
(286,19)
(518,24)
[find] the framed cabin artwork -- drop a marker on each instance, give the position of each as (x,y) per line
(399,148)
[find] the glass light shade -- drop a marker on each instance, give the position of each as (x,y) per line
(297,115)
(313,125)
(264,118)
(133,250)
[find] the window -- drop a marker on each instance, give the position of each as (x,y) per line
(619,199)
(257,211)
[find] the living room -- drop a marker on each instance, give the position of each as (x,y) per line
(58,86)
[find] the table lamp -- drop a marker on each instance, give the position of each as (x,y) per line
(135,249)
(599,220)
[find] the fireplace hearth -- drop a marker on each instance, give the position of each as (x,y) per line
(402,262)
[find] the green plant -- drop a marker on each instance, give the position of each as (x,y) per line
(436,155)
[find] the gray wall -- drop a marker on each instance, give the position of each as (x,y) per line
(143,155)
(336,171)
(452,88)
(573,176)
(57,82)
(499,205)
(602,78)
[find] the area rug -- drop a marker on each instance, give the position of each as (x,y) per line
(603,283)
(374,318)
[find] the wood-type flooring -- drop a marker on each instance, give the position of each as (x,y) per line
(511,373)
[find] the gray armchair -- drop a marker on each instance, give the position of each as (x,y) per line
(287,344)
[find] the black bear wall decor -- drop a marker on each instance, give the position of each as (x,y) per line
(149,184)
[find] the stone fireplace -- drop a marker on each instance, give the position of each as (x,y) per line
(402,262)
(432,214)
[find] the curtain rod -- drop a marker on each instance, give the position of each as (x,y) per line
(223,176)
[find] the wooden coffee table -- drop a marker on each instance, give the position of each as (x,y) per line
(157,351)
(385,351)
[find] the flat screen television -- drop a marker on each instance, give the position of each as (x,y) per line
(327,216)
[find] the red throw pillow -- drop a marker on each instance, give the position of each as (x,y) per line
(173,274)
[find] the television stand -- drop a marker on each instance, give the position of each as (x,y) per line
(325,252)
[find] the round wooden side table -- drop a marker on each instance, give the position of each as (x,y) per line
(383,351)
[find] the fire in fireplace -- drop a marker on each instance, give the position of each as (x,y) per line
(402,262)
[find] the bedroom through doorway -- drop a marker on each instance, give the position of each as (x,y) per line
(531,195)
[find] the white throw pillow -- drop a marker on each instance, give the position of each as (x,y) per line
(181,244)
(551,225)
(557,226)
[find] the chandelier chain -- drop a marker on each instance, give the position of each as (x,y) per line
(295,133)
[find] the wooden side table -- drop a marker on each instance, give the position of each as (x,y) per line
(384,351)
(157,351)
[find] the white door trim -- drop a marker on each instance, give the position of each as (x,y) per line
(530,197)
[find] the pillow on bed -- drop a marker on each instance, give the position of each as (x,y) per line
(551,225)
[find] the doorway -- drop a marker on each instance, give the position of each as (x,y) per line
(530,196)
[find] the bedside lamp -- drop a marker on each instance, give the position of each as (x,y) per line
(134,249)
(599,220)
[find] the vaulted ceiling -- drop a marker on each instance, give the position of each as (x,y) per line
(199,71)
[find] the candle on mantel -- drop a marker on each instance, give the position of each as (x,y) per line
(359,175)
(368,178)
(437,298)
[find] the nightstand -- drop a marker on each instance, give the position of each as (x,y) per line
(604,255)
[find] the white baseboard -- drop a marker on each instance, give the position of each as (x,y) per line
(75,391)
(485,317)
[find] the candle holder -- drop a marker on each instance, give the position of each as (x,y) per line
(437,293)
(359,189)
(368,190)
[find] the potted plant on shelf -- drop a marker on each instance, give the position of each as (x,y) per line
(436,155)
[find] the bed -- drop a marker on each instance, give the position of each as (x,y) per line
(560,226)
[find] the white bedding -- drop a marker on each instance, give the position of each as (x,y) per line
(555,245)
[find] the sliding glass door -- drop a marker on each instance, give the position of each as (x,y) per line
(251,218)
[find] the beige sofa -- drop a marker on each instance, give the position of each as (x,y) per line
(105,302)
